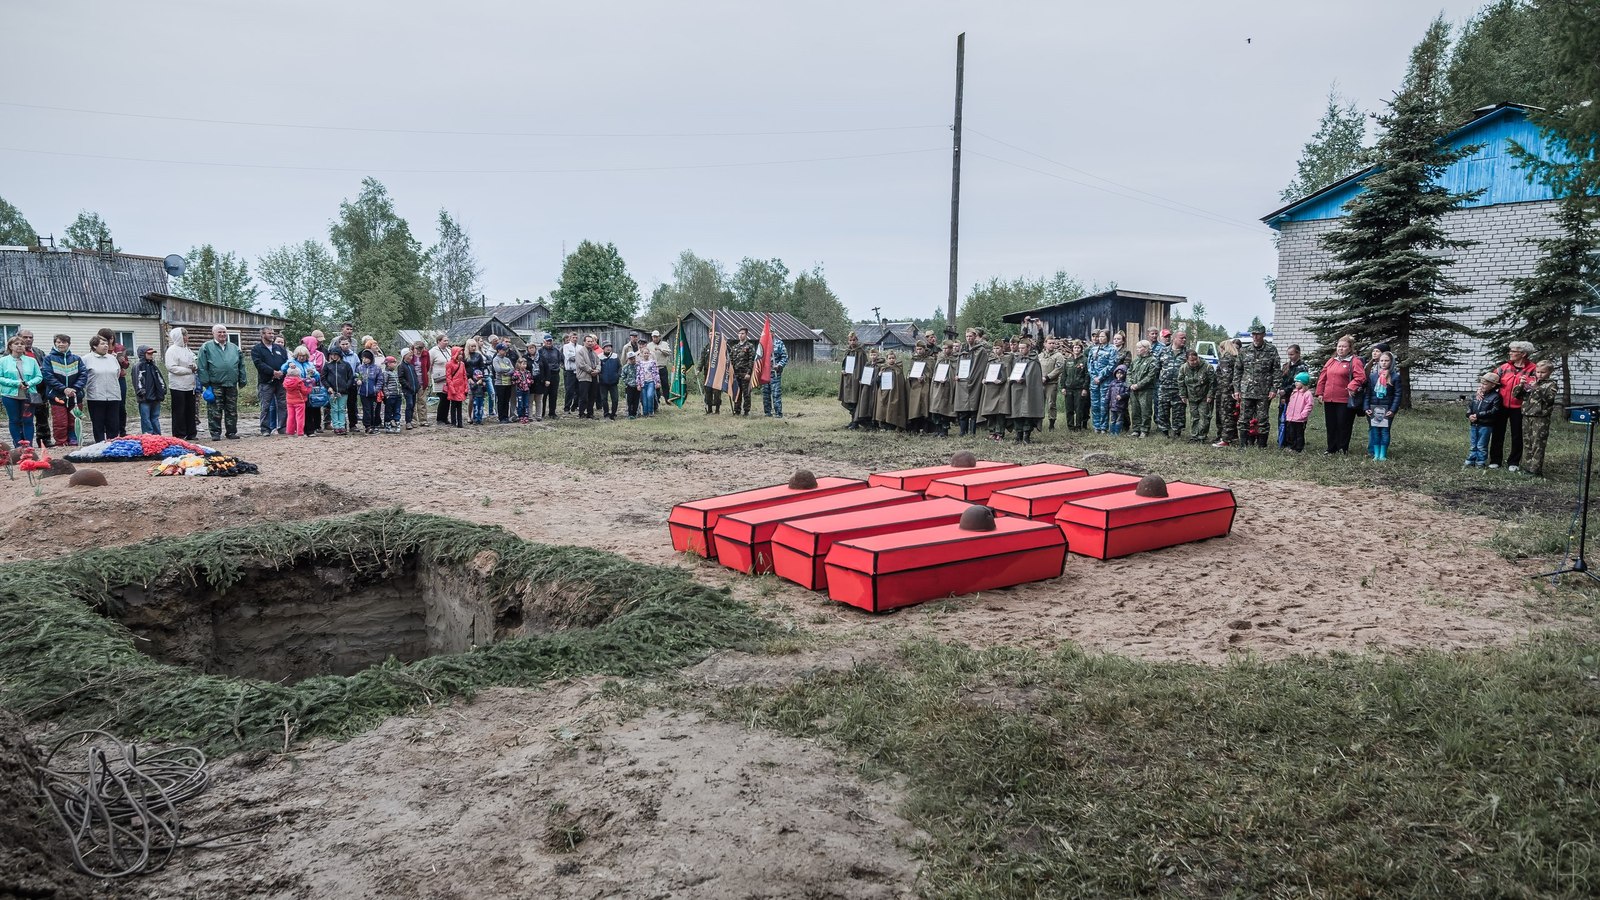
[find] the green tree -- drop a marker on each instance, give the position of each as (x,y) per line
(986,303)
(697,283)
(14,228)
(595,286)
(373,242)
(303,280)
(1390,281)
(87,231)
(813,302)
(1198,327)
(453,272)
(1333,152)
(760,285)
(381,307)
(200,279)
(1504,54)
(1548,307)
(1063,288)
(1572,121)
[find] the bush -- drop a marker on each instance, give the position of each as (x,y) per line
(818,379)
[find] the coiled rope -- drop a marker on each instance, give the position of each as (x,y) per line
(118,806)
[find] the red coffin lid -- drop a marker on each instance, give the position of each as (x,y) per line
(1035,500)
(927,548)
(758,524)
(1127,508)
(815,535)
(918,479)
(704,513)
(977,486)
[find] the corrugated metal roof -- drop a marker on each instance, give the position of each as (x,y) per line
(80,282)
(784,326)
(1168,299)
(870,333)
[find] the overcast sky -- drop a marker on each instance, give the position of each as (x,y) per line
(1203,105)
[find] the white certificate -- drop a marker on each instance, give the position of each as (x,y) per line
(866,373)
(966,368)
(887,381)
(1018,370)
(849,365)
(993,375)
(942,373)
(917,368)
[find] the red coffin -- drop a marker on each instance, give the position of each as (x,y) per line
(976,487)
(799,549)
(744,539)
(893,570)
(692,523)
(1040,501)
(918,479)
(1114,525)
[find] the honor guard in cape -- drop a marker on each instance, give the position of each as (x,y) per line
(994,400)
(972,360)
(867,395)
(942,400)
(919,388)
(742,360)
(1255,382)
(1025,387)
(892,393)
(850,362)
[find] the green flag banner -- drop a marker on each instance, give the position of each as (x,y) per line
(678,390)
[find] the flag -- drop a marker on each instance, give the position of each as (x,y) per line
(763,372)
(682,363)
(719,375)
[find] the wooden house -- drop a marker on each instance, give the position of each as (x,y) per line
(798,338)
(887,335)
(1130,312)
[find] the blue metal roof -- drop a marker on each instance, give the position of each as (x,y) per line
(1492,167)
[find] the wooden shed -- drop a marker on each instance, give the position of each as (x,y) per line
(196,317)
(798,338)
(1131,312)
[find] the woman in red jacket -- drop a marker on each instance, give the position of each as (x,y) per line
(1341,379)
(1519,370)
(455,384)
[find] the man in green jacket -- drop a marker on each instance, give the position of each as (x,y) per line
(221,370)
(1142,390)
(1196,391)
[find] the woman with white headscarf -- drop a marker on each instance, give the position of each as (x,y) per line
(1518,370)
(180,385)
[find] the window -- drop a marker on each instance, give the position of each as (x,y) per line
(235,339)
(125,338)
(7,332)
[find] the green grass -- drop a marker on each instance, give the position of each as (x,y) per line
(1470,775)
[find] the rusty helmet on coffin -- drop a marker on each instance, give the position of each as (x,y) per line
(977,518)
(1151,486)
(803,480)
(963,459)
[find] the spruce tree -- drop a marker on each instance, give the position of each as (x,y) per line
(1391,283)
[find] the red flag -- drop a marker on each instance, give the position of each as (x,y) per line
(763,371)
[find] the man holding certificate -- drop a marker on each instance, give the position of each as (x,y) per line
(994,403)
(866,413)
(919,388)
(1025,387)
(971,363)
(942,402)
(892,400)
(850,377)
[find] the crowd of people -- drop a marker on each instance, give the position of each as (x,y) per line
(343,386)
(1018,385)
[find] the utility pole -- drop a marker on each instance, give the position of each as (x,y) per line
(955,176)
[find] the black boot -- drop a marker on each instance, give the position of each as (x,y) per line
(1027,435)
(1052,425)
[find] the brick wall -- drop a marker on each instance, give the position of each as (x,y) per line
(1502,252)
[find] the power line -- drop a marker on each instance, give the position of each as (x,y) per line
(449,133)
(1209,217)
(377,171)
(1125,187)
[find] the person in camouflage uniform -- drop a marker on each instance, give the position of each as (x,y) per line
(1255,383)
(742,359)
(1161,351)
(772,391)
(1197,390)
(1227,407)
(1169,400)
(712,396)
(1052,361)
(1142,391)
(1075,386)
(1538,403)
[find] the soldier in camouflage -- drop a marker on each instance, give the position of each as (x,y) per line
(1197,390)
(1171,406)
(1227,407)
(1538,402)
(742,360)
(1255,383)
(1161,351)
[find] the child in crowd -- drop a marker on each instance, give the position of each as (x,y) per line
(630,382)
(151,387)
(455,386)
(390,395)
(522,382)
(1117,400)
(369,381)
(64,377)
(646,380)
(1383,399)
(1539,400)
(296,391)
(480,395)
(501,371)
(410,384)
(1483,410)
(1297,411)
(338,377)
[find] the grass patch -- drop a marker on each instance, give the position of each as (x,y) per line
(60,660)
(1468,775)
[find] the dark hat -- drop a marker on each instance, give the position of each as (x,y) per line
(1381,346)
(335,351)
(977,518)
(1151,486)
(803,480)
(963,459)
(1258,328)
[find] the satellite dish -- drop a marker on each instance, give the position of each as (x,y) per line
(175,265)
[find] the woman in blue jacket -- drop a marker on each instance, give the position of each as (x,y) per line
(19,374)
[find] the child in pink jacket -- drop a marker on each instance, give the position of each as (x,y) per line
(1297,412)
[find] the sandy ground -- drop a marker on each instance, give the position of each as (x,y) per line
(474,800)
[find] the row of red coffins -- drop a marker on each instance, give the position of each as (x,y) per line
(894,540)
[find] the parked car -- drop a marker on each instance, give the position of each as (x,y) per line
(1207,351)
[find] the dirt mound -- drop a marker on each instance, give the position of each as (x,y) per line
(31,861)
